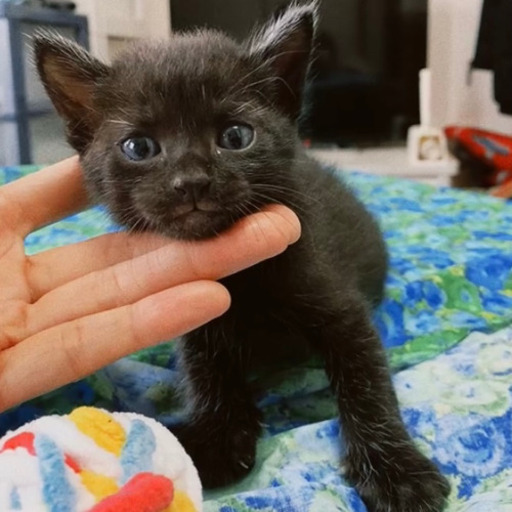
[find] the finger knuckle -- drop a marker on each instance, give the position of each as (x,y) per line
(14,322)
(71,340)
(113,289)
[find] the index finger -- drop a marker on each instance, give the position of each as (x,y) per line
(259,236)
(255,238)
(46,196)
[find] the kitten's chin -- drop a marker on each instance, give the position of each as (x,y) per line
(194,225)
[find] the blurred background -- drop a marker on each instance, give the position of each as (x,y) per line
(364,88)
(364,95)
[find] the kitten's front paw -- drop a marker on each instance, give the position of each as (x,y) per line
(399,480)
(221,455)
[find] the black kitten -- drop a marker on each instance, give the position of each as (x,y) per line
(186,137)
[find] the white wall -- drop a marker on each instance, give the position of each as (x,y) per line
(453,32)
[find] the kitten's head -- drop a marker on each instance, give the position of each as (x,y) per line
(187,136)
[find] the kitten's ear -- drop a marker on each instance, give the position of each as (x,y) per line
(285,43)
(70,76)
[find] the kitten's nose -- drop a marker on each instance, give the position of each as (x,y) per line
(192,188)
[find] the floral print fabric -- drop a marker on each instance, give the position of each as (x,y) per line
(458,408)
(451,265)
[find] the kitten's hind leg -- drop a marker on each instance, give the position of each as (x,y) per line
(224,424)
(381,460)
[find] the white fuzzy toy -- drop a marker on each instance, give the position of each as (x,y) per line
(95,461)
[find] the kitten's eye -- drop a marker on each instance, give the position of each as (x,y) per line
(140,148)
(236,137)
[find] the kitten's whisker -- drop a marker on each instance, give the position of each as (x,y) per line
(247,107)
(285,189)
(258,82)
(120,122)
(251,87)
(238,82)
(255,70)
(306,199)
(273,200)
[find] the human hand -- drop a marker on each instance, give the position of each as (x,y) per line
(66,312)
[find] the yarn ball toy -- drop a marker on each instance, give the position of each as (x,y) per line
(95,461)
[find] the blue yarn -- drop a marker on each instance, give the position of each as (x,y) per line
(137,455)
(14,498)
(58,492)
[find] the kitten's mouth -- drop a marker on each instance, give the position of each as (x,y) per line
(190,222)
(202,207)
(194,216)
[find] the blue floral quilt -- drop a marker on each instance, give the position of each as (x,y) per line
(450,280)
(457,406)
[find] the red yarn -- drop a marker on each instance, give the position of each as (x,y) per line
(23,440)
(145,492)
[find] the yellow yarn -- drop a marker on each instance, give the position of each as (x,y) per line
(101,427)
(181,503)
(98,485)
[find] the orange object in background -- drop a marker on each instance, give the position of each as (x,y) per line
(504,190)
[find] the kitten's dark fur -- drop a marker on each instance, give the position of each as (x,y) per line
(318,294)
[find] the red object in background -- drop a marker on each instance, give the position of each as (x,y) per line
(492,149)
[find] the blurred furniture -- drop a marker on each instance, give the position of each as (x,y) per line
(364,77)
(114,23)
(459,97)
(30,130)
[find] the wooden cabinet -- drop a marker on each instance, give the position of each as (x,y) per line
(112,23)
